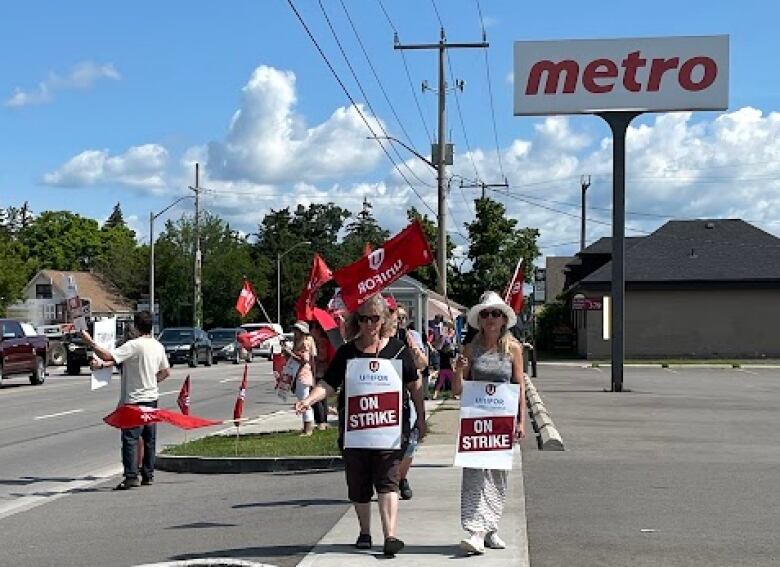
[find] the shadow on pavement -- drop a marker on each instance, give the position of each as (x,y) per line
(304,503)
(199,525)
(450,551)
(28,480)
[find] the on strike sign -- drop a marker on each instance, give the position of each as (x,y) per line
(488,414)
(373,404)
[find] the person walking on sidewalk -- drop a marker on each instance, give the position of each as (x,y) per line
(304,352)
(494,355)
(144,365)
(325,353)
(369,469)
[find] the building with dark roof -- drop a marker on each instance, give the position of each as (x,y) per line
(696,288)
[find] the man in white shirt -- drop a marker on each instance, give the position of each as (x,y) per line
(144,365)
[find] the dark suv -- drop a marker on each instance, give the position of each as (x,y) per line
(225,346)
(186,344)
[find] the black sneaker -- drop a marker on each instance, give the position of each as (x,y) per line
(406,490)
(127,484)
(392,546)
(363,541)
(147,481)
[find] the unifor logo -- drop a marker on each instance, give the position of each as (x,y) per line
(373,365)
(376,258)
(517,288)
(490,389)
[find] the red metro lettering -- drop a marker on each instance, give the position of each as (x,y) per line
(486,434)
(599,76)
(373,411)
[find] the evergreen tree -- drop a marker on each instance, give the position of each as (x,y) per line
(116,218)
(362,229)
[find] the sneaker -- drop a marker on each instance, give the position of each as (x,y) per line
(147,481)
(392,546)
(473,544)
(363,541)
(494,542)
(406,490)
(127,484)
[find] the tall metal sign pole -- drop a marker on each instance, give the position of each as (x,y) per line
(619,79)
(440,159)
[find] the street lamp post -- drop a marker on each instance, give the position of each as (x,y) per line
(279,278)
(152,217)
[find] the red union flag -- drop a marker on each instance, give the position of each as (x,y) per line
(514,292)
(184,397)
(494,433)
(128,417)
(246,299)
(320,274)
(238,409)
(251,339)
(373,411)
(370,274)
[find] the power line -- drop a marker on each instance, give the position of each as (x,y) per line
(352,100)
(408,75)
(363,92)
(462,122)
(490,93)
(438,15)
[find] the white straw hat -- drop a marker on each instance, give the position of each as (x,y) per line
(491,300)
(302,326)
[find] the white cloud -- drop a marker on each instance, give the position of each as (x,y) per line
(139,167)
(267,142)
(82,76)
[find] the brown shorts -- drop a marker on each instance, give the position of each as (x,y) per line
(369,469)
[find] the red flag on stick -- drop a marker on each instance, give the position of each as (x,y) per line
(128,417)
(184,397)
(251,339)
(319,275)
(238,409)
(514,292)
(246,299)
(400,255)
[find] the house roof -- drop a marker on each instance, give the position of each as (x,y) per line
(604,245)
(102,296)
(703,250)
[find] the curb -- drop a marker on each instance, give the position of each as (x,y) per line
(548,437)
(238,465)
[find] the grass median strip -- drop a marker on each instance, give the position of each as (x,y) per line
(290,444)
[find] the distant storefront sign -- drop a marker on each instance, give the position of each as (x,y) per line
(581,303)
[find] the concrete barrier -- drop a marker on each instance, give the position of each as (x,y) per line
(549,438)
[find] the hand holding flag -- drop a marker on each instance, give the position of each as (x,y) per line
(246,299)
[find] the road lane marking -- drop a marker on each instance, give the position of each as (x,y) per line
(59,414)
(168,393)
(226,380)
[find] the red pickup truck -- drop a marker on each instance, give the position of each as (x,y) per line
(20,353)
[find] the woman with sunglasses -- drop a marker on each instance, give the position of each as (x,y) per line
(494,355)
(367,470)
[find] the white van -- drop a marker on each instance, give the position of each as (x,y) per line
(271,346)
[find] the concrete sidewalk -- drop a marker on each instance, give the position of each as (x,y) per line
(429,523)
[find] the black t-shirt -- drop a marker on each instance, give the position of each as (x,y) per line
(337,370)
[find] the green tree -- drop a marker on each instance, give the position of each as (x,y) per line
(16,269)
(496,244)
(116,218)
(121,261)
(362,229)
(427,274)
(61,240)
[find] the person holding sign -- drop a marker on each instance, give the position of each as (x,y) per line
(376,376)
(495,357)
(304,353)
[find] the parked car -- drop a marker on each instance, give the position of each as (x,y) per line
(22,354)
(271,346)
(225,346)
(77,354)
(187,344)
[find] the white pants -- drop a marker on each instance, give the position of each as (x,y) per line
(301,391)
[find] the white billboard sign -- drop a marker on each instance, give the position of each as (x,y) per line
(632,74)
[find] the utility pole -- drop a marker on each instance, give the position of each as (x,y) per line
(197,304)
(440,160)
(484,186)
(584,183)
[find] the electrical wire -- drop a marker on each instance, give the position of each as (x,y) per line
(352,100)
(438,15)
(490,93)
(462,122)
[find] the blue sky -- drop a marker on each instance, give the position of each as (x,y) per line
(149,87)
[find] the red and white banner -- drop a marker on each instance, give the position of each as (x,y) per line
(403,253)
(128,417)
(320,274)
(374,408)
(488,414)
(246,299)
(238,409)
(514,292)
(184,397)
(252,339)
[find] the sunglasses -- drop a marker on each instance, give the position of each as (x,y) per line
(402,317)
(373,318)
(495,313)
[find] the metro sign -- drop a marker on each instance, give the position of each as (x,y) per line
(646,74)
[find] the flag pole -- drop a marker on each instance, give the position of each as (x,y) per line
(237,435)
(509,287)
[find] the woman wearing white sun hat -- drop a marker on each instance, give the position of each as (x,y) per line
(494,355)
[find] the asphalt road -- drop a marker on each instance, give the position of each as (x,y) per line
(53,439)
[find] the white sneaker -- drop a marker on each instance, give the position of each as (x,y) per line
(473,544)
(494,542)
